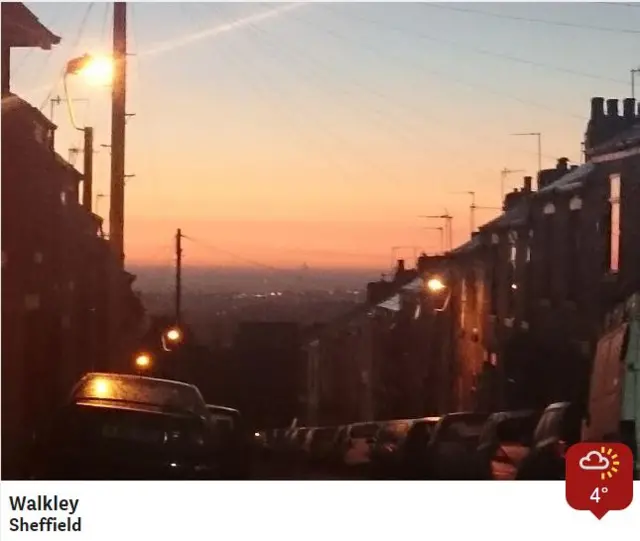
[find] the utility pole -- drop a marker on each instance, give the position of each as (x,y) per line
(87,172)
(117,342)
(503,178)
(178,276)
(118,123)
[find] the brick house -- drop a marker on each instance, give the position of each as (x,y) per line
(55,261)
(527,295)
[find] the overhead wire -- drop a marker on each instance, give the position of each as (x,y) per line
(451,77)
(421,35)
(548,22)
(81,29)
(412,112)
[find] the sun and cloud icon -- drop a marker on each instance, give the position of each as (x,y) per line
(603,461)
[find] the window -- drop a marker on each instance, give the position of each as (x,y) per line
(572,262)
(614,224)
(63,198)
(512,278)
(527,294)
(546,245)
(495,260)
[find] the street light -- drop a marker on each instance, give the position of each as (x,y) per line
(435,285)
(143,361)
(171,338)
(96,69)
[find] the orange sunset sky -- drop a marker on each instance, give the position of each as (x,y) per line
(317,134)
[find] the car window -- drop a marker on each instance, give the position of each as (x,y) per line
(368,430)
(420,434)
(516,429)
(159,393)
(394,432)
(550,425)
(462,430)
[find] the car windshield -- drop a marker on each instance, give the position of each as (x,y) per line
(394,432)
(463,429)
(367,430)
(158,393)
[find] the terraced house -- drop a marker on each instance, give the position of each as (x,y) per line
(525,299)
(55,262)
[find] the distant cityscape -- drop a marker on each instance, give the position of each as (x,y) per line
(216,300)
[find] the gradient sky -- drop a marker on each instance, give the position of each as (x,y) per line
(319,134)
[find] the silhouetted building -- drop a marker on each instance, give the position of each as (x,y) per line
(524,300)
(55,264)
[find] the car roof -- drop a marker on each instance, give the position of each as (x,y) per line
(222,409)
(134,377)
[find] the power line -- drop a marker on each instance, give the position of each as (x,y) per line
(485,52)
(81,29)
(235,255)
(454,79)
(532,19)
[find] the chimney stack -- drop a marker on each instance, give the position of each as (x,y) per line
(562,165)
(401,268)
(527,184)
(629,110)
(597,108)
(612,107)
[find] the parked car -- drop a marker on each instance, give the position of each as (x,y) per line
(361,438)
(117,426)
(559,427)
(504,443)
(321,446)
(450,453)
(385,453)
(413,454)
(234,441)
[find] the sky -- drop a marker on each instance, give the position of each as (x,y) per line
(318,133)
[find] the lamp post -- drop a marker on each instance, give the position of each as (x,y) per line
(94,69)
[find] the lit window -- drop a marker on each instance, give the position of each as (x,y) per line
(63,198)
(38,257)
(614,235)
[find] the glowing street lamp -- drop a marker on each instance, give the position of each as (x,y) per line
(96,69)
(143,361)
(435,285)
(171,337)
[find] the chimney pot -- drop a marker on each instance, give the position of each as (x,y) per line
(629,109)
(612,107)
(597,108)
(527,184)
(401,265)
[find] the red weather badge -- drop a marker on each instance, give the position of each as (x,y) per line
(599,477)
